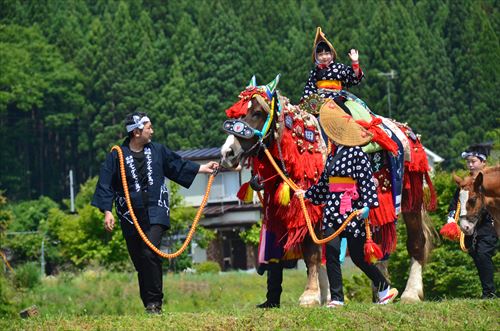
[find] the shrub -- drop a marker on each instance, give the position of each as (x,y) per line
(6,295)
(208,267)
(357,288)
(27,275)
(252,236)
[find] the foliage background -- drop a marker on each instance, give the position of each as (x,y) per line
(71,70)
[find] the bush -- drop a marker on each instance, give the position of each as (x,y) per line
(208,267)
(27,275)
(357,288)
(252,236)
(6,295)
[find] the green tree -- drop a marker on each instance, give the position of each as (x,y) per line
(223,71)
(39,99)
(6,290)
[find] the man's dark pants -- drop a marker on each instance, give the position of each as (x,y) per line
(146,262)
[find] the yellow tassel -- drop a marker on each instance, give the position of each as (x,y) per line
(249,195)
(284,194)
(245,193)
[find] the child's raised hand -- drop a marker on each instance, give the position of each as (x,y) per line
(353,55)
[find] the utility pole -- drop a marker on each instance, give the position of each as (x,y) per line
(390,76)
(42,259)
(71,192)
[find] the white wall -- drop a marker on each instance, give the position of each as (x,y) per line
(224,187)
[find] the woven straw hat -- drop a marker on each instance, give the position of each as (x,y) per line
(320,37)
(340,127)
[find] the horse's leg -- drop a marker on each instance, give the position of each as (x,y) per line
(312,258)
(416,246)
(324,285)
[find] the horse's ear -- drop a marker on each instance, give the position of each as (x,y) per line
(253,82)
(478,182)
(271,86)
(457,179)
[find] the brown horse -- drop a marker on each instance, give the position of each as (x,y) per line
(239,148)
(477,195)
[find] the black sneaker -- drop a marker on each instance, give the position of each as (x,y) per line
(153,309)
(268,304)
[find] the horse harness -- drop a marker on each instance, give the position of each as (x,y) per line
(241,129)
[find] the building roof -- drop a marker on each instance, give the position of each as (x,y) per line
(436,158)
(201,154)
(219,209)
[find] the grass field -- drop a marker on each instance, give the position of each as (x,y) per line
(100,300)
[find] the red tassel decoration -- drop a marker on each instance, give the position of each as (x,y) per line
(245,193)
(372,251)
(379,135)
(386,236)
(413,191)
(450,231)
(385,213)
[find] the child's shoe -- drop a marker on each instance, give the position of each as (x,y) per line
(387,296)
(335,304)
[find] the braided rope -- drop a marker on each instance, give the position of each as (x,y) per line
(462,236)
(138,227)
(6,261)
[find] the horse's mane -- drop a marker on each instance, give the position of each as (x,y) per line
(491,170)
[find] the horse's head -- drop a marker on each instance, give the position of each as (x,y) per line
(471,202)
(252,121)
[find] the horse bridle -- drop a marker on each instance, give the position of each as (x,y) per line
(241,129)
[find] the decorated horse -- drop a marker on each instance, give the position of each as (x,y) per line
(477,195)
(283,145)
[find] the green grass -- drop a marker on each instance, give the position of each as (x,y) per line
(100,300)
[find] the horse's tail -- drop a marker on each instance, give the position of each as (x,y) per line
(430,234)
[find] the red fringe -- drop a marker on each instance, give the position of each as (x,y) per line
(430,205)
(385,212)
(379,135)
(304,169)
(238,109)
(294,253)
(323,254)
(387,237)
(412,191)
(419,161)
(450,231)
(373,253)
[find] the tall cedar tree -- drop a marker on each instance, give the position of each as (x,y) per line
(186,61)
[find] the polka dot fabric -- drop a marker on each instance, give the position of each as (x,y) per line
(352,163)
(335,71)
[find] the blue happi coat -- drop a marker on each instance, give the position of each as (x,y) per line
(161,163)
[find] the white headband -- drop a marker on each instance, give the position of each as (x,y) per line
(480,156)
(139,123)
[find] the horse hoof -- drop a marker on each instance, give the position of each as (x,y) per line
(407,297)
(309,299)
